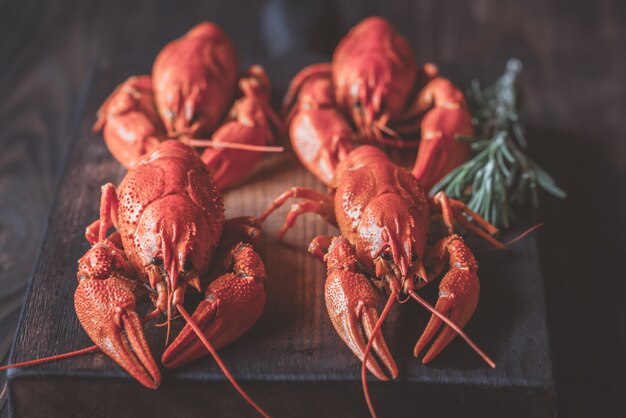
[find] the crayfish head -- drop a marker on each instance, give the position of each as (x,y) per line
(367,94)
(374,69)
(390,241)
(175,243)
(194,78)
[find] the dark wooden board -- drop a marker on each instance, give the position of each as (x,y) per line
(575,100)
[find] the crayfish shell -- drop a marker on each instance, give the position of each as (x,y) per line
(194,78)
(373,69)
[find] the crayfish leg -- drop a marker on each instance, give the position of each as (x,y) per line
(454,210)
(315,202)
(97,230)
(319,247)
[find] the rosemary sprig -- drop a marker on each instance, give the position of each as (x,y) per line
(500,176)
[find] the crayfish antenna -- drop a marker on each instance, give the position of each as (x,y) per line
(169,320)
(368,348)
(208,143)
(218,360)
(394,140)
(513,240)
(524,234)
(56,357)
(454,327)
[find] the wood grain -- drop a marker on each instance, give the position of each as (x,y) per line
(575,101)
(35,141)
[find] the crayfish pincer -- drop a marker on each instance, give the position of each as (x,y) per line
(384,218)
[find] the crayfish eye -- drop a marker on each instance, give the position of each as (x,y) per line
(387,257)
(413,258)
(157,261)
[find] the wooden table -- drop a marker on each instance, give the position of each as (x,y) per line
(575,99)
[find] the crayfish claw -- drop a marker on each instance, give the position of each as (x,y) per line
(458,298)
(106,310)
(186,347)
(369,319)
(233,303)
(350,300)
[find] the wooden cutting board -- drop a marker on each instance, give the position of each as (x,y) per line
(292,361)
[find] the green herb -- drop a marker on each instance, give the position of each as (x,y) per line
(500,176)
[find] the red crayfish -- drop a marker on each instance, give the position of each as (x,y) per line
(384,218)
(373,92)
(170,234)
(193,84)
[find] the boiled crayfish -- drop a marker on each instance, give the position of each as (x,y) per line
(384,217)
(373,92)
(170,234)
(193,84)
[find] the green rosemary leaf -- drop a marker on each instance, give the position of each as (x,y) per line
(502,164)
(479,146)
(507,154)
(499,174)
(546,182)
